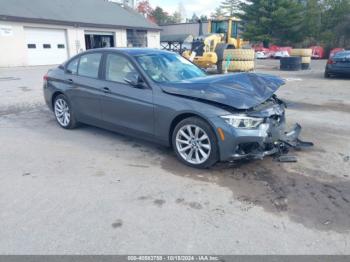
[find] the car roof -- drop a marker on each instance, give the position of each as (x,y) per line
(132,51)
(127,51)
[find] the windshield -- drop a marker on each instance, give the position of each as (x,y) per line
(168,67)
(342,54)
(219,27)
(234,32)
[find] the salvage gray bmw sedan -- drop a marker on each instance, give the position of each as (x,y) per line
(160,96)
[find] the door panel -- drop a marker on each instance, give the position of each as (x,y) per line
(128,107)
(85,95)
(122,104)
(85,92)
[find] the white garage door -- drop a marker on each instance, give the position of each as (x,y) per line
(46,46)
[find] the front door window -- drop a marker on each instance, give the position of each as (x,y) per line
(118,68)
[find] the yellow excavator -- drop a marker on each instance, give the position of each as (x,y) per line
(221,45)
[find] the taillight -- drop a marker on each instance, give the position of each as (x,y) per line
(45,78)
(330,62)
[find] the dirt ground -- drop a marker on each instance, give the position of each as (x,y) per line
(90,191)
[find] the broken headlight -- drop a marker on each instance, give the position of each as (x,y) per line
(242,121)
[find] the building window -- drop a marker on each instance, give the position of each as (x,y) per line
(46,46)
(98,41)
(136,38)
(60,46)
(31,46)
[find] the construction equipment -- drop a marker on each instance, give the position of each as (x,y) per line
(221,45)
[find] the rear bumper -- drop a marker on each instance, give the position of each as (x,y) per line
(337,70)
(47,95)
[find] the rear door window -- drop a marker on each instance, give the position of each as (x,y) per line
(89,65)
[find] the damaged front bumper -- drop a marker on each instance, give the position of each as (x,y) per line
(278,146)
(269,139)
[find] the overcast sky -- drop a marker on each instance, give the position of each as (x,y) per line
(199,7)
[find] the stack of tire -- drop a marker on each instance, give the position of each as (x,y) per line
(305,55)
(292,63)
(238,60)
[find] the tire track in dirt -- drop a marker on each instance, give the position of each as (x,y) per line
(301,195)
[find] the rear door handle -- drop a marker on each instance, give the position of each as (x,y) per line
(106,90)
(70,81)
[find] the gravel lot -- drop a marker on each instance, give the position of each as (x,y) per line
(90,191)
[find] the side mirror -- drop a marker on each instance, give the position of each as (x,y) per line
(134,79)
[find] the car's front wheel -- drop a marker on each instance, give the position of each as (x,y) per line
(195,143)
(64,113)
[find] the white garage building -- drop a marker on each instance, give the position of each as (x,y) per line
(46,32)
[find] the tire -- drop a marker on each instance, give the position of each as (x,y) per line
(306,60)
(293,60)
(301,52)
(326,74)
(193,150)
(291,68)
(305,66)
(238,66)
(292,63)
(239,54)
(62,107)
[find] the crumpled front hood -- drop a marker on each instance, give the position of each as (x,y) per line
(241,91)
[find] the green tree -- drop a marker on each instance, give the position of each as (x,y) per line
(278,21)
(335,23)
(203,18)
(160,16)
(194,18)
(343,32)
(231,7)
(218,13)
(311,25)
(176,17)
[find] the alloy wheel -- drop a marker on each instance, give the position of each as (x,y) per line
(62,112)
(193,144)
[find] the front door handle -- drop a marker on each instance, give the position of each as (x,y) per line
(70,81)
(106,90)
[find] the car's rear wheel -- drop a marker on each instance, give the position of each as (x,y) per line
(64,113)
(326,74)
(195,143)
